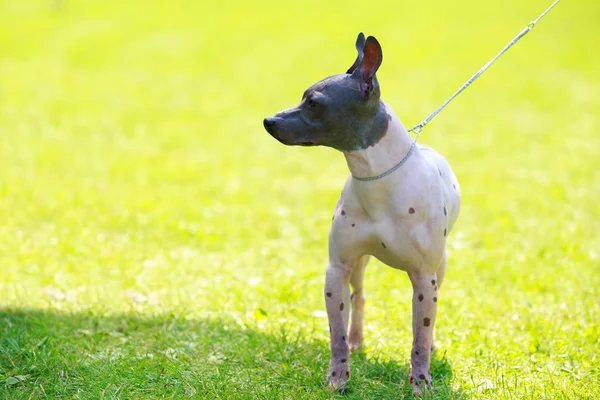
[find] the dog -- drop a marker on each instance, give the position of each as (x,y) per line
(399,210)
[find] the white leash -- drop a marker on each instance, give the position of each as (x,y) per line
(419,127)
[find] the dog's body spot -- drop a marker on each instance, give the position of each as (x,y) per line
(421,297)
(341,306)
(383,244)
(426,322)
(435,299)
(328,294)
(411,210)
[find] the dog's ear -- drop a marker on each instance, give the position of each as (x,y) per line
(360,45)
(369,65)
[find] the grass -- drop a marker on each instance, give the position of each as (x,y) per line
(156,243)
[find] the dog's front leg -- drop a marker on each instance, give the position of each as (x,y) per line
(337,301)
(425,297)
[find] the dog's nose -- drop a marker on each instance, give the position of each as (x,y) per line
(269,122)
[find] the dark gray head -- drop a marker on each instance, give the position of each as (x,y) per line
(343,111)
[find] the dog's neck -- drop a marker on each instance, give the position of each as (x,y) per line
(382,156)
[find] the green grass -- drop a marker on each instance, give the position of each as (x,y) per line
(155,242)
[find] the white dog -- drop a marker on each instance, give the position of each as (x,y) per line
(399,205)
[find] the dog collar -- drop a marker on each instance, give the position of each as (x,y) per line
(389,171)
(417,129)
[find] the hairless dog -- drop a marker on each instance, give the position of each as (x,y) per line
(402,218)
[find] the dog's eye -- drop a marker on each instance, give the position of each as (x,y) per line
(312,103)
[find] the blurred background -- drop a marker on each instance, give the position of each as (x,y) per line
(136,177)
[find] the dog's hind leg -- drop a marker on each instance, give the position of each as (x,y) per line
(441,272)
(358,303)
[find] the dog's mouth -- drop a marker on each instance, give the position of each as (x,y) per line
(304,143)
(274,126)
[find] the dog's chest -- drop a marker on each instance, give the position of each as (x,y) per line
(401,225)
(408,234)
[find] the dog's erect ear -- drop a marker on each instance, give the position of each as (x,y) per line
(360,45)
(369,64)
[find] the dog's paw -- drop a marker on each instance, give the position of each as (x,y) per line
(421,383)
(355,342)
(338,375)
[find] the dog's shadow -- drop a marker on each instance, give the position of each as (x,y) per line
(130,355)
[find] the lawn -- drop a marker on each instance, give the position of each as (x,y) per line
(156,242)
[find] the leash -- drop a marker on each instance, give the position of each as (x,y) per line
(419,127)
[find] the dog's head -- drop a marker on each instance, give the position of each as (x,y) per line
(343,111)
